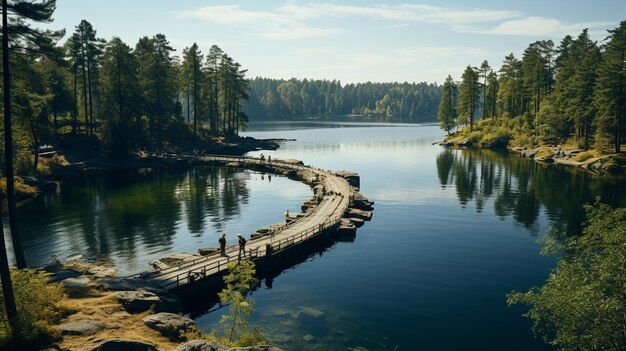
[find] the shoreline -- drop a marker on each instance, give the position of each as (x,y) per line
(78,163)
(605,165)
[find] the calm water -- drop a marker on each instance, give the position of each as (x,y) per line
(453,232)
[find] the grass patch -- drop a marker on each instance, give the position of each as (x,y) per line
(22,191)
(39,307)
(544,152)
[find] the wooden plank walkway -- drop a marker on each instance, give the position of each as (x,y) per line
(327,214)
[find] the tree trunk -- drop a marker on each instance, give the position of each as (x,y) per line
(188,106)
(195,98)
(85,92)
(89,93)
(5,273)
(8,144)
(33,132)
(75,106)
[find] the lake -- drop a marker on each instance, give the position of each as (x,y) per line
(453,232)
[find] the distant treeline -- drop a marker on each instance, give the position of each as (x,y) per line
(294,98)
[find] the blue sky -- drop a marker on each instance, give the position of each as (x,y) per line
(352,41)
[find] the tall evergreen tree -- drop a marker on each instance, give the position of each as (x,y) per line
(469,95)
(120,95)
(447,106)
(90,51)
(537,75)
(213,62)
(511,90)
(192,73)
(484,73)
(157,81)
(610,93)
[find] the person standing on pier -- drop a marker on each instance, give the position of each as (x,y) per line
(242,245)
(222,241)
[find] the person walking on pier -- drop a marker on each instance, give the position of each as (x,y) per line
(242,245)
(222,242)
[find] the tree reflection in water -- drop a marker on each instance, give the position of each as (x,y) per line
(522,189)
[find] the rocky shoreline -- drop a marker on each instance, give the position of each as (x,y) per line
(610,164)
(117,314)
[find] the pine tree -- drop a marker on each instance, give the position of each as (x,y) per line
(510,92)
(157,82)
(469,94)
(120,96)
(447,106)
(192,73)
(610,92)
(484,73)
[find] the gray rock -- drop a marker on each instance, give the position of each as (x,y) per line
(311,312)
(127,284)
(102,272)
(123,345)
(168,324)
(356,213)
(77,286)
(139,301)
(498,143)
(84,327)
(201,345)
(62,275)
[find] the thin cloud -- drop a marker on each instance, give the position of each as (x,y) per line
(290,20)
(536,26)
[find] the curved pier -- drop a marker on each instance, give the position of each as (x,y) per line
(334,200)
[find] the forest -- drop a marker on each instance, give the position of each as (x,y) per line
(573,93)
(110,95)
(297,99)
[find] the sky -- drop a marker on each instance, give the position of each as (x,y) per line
(351,41)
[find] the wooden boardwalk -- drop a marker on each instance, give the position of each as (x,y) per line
(326,215)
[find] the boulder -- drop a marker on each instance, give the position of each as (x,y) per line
(498,143)
(201,345)
(123,345)
(356,213)
(529,153)
(77,286)
(128,284)
(544,159)
(83,327)
(62,275)
(172,259)
(465,143)
(357,222)
(138,301)
(102,272)
(168,324)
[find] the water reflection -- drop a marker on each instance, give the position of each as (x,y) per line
(522,189)
(128,219)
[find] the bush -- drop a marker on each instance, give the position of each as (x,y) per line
(38,307)
(583,156)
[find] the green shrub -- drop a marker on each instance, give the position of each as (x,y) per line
(38,307)
(583,156)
